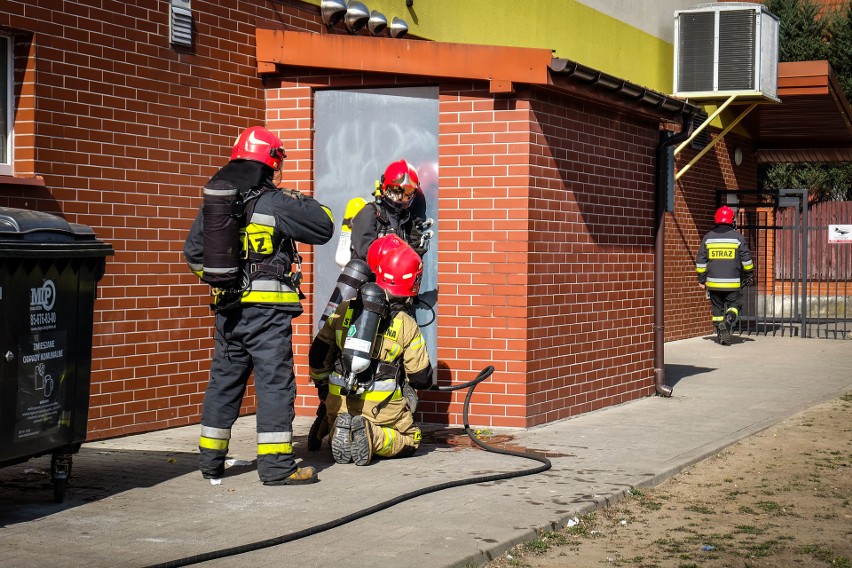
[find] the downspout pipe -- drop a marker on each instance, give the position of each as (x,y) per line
(664,177)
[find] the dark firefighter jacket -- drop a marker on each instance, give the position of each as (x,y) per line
(374,221)
(722,258)
(276,219)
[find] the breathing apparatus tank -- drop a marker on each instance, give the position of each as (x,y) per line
(363,329)
(354,275)
(223,211)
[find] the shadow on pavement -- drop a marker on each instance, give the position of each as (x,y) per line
(96,474)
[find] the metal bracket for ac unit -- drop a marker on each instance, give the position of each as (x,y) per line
(712,143)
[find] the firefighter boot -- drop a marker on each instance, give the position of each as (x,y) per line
(731,318)
(302,476)
(724,333)
(341,444)
(362,441)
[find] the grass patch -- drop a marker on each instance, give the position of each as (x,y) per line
(749,529)
(825,554)
(769,507)
(701,509)
(543,543)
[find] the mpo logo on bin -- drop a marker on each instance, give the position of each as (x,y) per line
(43,297)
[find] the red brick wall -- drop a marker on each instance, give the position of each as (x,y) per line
(546,212)
(687,310)
(124,130)
(591,258)
(484,149)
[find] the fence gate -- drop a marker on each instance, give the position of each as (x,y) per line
(803,263)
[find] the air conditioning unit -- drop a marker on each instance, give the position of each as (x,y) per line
(726,49)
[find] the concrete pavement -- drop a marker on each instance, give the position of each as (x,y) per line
(140,501)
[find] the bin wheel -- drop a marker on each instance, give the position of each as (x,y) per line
(60,467)
(59,486)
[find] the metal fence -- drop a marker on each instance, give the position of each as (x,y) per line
(803,262)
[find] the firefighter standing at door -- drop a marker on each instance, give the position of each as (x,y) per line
(256,295)
(369,412)
(390,213)
(723,265)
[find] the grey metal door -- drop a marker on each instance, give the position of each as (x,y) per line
(357,133)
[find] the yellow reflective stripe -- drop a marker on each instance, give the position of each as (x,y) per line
(417,343)
(269,449)
(270,297)
(748,266)
(390,436)
(393,352)
(328,212)
(724,283)
(370,395)
(701,269)
(212,444)
(717,318)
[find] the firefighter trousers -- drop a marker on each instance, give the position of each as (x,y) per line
(721,301)
(251,338)
(392,431)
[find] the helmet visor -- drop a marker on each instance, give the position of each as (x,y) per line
(400,195)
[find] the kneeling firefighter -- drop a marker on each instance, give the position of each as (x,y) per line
(367,354)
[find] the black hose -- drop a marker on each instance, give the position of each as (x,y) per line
(430,307)
(484,374)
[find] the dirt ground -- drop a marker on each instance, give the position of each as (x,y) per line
(781,498)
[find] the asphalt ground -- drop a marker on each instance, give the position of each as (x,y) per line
(140,501)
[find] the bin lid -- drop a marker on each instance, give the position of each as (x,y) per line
(23,232)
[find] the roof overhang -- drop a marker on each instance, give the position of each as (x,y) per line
(813,123)
(502,67)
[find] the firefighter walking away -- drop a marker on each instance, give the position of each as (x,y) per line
(724,265)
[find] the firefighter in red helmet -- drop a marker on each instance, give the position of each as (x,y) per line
(724,265)
(390,213)
(254,314)
(375,417)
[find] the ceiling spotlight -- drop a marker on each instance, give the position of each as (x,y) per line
(357,16)
(332,11)
(398,28)
(377,24)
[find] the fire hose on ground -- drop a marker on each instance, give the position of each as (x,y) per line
(471,385)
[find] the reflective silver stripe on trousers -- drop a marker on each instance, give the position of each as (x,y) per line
(274,437)
(216,433)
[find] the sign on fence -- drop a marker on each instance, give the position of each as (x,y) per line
(840,233)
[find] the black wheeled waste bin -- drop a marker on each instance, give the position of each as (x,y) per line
(49,270)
